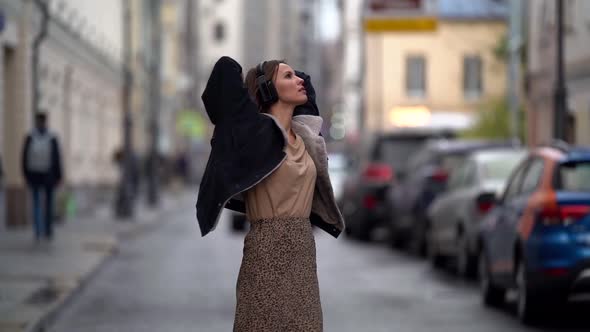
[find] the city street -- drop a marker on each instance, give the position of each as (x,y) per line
(171,279)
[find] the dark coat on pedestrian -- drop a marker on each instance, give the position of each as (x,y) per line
(248,145)
(49,179)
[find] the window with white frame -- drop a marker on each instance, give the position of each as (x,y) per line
(472,77)
(416,76)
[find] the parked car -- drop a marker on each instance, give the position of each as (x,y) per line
(537,239)
(455,215)
(364,203)
(425,178)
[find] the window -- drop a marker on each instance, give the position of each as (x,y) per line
(533,176)
(470,174)
(472,77)
(513,188)
(574,176)
(459,177)
(416,76)
(395,150)
(569,20)
(219,32)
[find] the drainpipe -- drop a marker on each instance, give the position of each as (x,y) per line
(560,92)
(42,34)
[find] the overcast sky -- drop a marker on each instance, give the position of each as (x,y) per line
(329,27)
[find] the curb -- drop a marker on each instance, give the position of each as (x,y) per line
(52,313)
(54,309)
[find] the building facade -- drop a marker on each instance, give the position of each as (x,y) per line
(541,70)
(352,70)
(438,76)
(79,82)
(220,32)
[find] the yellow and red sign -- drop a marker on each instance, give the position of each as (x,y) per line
(399,15)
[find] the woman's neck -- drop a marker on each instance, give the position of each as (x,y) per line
(283,113)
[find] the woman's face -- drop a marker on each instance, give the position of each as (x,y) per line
(289,87)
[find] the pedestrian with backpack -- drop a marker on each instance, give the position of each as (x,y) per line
(41,164)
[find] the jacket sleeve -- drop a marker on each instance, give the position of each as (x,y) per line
(310,107)
(225,94)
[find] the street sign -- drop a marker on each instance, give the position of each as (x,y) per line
(400,24)
(400,15)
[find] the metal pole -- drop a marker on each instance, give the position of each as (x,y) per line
(125,194)
(153,164)
(560,101)
(381,82)
(188,53)
(36,50)
(514,77)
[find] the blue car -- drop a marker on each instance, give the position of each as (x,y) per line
(537,239)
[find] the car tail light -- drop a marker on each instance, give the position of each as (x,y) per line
(439,175)
(369,202)
(563,214)
(378,173)
(484,207)
(485,202)
(556,272)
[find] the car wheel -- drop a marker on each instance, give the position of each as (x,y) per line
(347,231)
(395,239)
(418,241)
(435,258)
(238,222)
(364,233)
(528,306)
(466,263)
(491,294)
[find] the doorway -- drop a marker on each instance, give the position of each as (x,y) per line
(7,64)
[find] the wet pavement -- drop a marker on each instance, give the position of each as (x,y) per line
(171,279)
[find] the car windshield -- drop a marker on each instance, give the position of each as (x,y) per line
(574,176)
(452,161)
(499,165)
(397,151)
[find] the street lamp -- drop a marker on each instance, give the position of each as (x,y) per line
(125,193)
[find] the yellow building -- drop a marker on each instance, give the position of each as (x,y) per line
(432,77)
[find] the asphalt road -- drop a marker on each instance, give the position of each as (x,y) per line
(171,279)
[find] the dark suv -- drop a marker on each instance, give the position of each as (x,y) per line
(364,204)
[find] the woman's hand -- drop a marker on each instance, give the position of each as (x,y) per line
(310,107)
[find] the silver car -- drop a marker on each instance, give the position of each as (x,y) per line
(455,216)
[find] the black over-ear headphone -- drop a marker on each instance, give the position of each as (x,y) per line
(267,93)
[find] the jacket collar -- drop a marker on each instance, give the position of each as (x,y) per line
(313,122)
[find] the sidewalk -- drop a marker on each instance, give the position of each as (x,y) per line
(36,280)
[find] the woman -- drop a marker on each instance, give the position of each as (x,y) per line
(268,160)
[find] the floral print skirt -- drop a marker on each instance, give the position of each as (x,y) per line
(277,288)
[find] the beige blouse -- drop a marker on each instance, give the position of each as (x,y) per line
(288,191)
